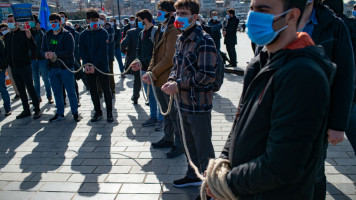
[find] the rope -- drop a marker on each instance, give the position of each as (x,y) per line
(216,170)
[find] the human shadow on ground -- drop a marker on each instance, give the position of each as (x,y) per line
(49,154)
(224,106)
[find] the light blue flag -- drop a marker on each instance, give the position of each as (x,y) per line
(44,15)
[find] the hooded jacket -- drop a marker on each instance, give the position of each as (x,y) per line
(37,36)
(129,45)
(275,145)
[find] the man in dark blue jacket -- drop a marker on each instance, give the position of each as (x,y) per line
(58,43)
(229,32)
(216,27)
(117,41)
(94,51)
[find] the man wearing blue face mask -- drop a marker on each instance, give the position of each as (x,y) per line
(287,93)
(93,44)
(58,43)
(18,44)
(216,27)
(39,63)
(354,11)
(194,67)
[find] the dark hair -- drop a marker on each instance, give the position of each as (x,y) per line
(318,2)
(126,20)
(3,25)
(231,11)
(10,15)
(113,19)
(336,5)
(300,4)
(54,16)
(92,14)
(63,13)
(167,5)
(191,5)
(35,18)
(354,5)
(144,14)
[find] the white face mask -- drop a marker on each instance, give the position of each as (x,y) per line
(197,23)
(101,22)
(132,22)
(112,24)
(5,32)
(215,18)
(63,20)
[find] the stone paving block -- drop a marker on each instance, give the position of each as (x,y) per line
(23,186)
(16,176)
(125,178)
(112,169)
(100,188)
(339,178)
(177,170)
(133,162)
(87,178)
(112,149)
(53,196)
(337,155)
(60,187)
(141,189)
(137,197)
(12,168)
(98,162)
(152,178)
(16,195)
(340,197)
(168,188)
(341,188)
(345,161)
(124,155)
(178,197)
(51,177)
(176,161)
(3,184)
(77,169)
(150,169)
(93,196)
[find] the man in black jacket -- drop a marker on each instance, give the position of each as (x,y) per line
(39,63)
(130,25)
(58,43)
(338,7)
(117,41)
(18,44)
(229,32)
(329,31)
(287,93)
(94,50)
(129,45)
(216,27)
(3,65)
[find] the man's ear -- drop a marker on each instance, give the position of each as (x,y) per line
(293,16)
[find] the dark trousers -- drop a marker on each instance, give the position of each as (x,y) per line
(232,53)
(320,185)
(171,127)
(23,79)
(104,81)
(137,84)
(217,43)
(198,131)
(111,78)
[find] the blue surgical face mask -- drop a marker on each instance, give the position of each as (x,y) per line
(11,26)
(215,18)
(5,32)
(161,16)
(140,25)
(182,23)
(55,26)
(227,16)
(32,24)
(94,25)
(354,13)
(260,27)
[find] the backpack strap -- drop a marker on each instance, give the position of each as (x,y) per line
(153,31)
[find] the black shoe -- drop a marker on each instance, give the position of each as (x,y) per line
(23,114)
(175,152)
(79,104)
(147,103)
(123,76)
(37,114)
(159,126)
(50,100)
(96,117)
(110,118)
(186,182)
(150,122)
(134,100)
(162,144)
(16,97)
(56,118)
(77,118)
(7,113)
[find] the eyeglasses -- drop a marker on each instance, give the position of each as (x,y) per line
(181,14)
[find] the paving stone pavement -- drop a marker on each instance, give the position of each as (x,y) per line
(68,160)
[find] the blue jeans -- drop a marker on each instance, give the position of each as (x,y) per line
(40,67)
(119,59)
(351,130)
(60,77)
(154,109)
(4,93)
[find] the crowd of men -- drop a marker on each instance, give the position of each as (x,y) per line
(298,92)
